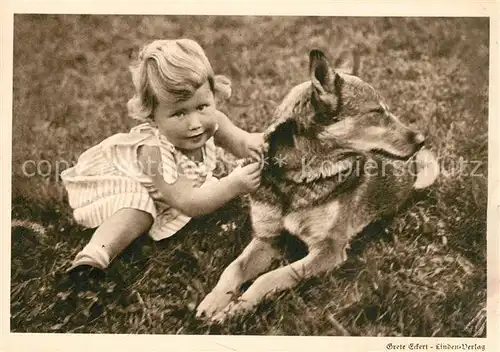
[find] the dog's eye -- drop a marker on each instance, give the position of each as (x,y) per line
(378,110)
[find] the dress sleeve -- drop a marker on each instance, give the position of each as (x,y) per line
(169,163)
(121,151)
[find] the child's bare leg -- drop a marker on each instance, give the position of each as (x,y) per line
(112,237)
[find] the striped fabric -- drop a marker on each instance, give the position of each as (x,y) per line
(107,178)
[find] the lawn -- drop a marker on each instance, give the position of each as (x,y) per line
(422,273)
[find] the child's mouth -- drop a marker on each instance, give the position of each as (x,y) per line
(195,137)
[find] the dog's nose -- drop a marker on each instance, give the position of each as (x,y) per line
(416,138)
(419,138)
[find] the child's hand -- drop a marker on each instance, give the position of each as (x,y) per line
(247,178)
(255,147)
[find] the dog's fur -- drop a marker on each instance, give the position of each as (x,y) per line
(337,161)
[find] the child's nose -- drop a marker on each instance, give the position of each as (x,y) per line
(194,121)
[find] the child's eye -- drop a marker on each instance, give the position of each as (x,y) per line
(202,107)
(178,114)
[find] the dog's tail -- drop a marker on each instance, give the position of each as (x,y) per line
(427,169)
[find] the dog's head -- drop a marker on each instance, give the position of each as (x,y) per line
(339,108)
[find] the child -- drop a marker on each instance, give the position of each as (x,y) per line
(156,177)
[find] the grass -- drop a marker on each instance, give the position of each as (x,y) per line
(422,273)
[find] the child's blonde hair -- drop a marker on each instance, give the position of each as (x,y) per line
(171,71)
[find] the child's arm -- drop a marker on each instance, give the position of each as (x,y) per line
(193,201)
(238,142)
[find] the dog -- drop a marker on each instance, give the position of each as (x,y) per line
(337,160)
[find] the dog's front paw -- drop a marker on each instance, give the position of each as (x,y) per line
(233,309)
(213,303)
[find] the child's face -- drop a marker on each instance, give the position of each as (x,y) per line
(188,124)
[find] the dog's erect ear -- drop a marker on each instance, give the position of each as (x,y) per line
(324,80)
(348,62)
(322,75)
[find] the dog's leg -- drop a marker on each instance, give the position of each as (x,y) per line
(327,255)
(254,259)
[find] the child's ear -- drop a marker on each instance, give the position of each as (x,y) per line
(222,87)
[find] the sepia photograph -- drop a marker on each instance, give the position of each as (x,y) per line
(250,175)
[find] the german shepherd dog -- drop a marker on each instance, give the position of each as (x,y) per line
(337,160)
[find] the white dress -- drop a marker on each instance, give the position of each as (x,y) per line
(107,177)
